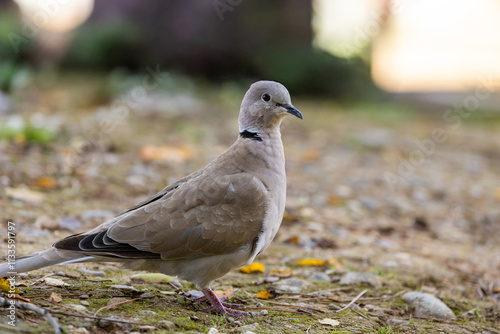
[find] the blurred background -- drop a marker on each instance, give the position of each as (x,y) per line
(394,169)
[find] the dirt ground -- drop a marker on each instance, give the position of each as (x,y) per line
(406,193)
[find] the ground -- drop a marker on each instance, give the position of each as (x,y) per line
(407,192)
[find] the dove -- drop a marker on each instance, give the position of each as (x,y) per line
(206,224)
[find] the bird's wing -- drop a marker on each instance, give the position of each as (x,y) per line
(202,216)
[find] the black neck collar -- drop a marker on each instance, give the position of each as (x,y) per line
(250,135)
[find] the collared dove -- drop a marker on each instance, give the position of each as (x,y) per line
(212,221)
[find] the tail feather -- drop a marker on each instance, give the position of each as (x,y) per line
(39,260)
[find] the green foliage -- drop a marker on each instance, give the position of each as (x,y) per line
(107,45)
(315,72)
(27,134)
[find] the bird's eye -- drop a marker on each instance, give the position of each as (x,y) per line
(266,97)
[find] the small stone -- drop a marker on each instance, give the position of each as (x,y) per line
(55,298)
(73,274)
(79,330)
(319,277)
(147,295)
(91,214)
(95,273)
(166,324)
(147,312)
(114,323)
(76,307)
(147,328)
(391,264)
(398,322)
(116,300)
(45,222)
(213,330)
(428,306)
(69,223)
(249,327)
(84,303)
(289,285)
(123,287)
(84,296)
(356,278)
(195,294)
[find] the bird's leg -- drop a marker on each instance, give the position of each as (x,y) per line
(219,306)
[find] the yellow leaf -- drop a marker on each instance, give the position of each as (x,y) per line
(55,298)
(44,182)
(264,294)
(311,262)
(5,286)
(255,267)
(229,293)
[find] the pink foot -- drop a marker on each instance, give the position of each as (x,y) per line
(219,306)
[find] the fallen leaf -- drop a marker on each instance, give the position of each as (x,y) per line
(55,298)
(334,200)
(264,294)
(310,155)
(5,286)
(55,282)
(25,195)
(328,321)
(281,273)
(311,262)
(44,182)
(152,278)
(229,293)
(332,262)
(293,240)
(165,153)
(255,267)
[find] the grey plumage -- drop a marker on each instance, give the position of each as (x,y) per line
(207,223)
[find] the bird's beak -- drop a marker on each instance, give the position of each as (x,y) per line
(291,110)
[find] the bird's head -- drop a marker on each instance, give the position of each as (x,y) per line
(265,105)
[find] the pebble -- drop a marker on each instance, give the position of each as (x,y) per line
(77,307)
(319,277)
(111,324)
(84,303)
(289,285)
(195,294)
(398,322)
(147,312)
(90,214)
(356,278)
(147,295)
(428,306)
(95,273)
(166,324)
(146,328)
(213,330)
(248,327)
(123,287)
(69,223)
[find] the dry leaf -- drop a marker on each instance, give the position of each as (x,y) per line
(229,293)
(497,194)
(55,298)
(334,200)
(310,155)
(328,321)
(293,240)
(165,153)
(281,273)
(264,294)
(332,262)
(54,282)
(255,267)
(44,182)
(25,195)
(5,286)
(311,262)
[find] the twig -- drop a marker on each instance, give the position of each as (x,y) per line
(354,310)
(353,301)
(276,309)
(120,303)
(39,310)
(98,318)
